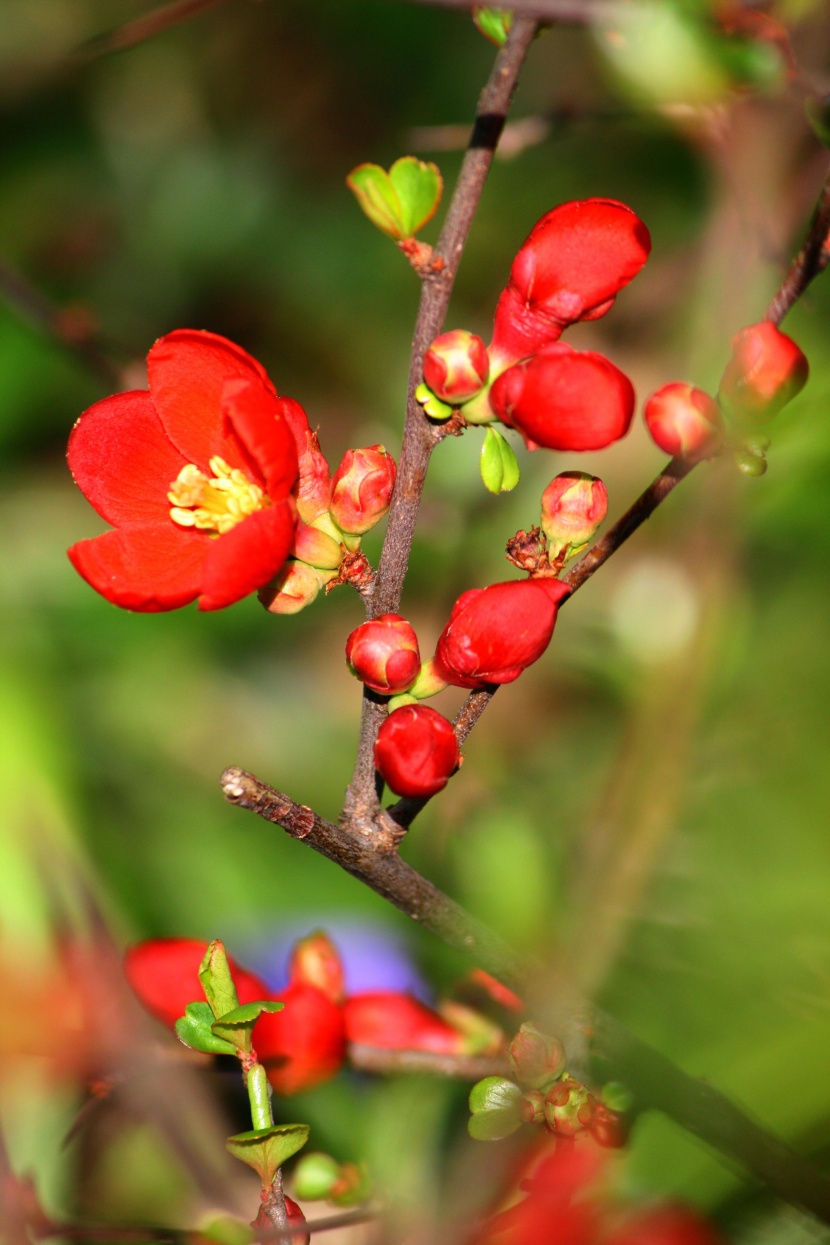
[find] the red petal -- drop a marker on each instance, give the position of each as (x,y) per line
(247,556)
(149,568)
(256,419)
(188,370)
(122,460)
(164,974)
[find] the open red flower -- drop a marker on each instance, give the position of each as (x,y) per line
(195,476)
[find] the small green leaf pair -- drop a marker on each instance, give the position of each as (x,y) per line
(499,465)
(226,1036)
(494,1103)
(401,201)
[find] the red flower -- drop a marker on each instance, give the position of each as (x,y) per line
(304,1044)
(416,751)
(565,399)
(494,633)
(685,421)
(399,1022)
(383,653)
(164,975)
(571,267)
(195,476)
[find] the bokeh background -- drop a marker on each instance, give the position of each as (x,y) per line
(650,803)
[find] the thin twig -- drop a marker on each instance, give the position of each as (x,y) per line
(462,1067)
(808,263)
(566,12)
(143,28)
(419,436)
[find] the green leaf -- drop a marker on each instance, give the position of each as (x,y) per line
(494,24)
(401,201)
(216,979)
(494,1103)
(499,465)
(236,1026)
(194,1030)
(419,186)
(434,407)
(266,1149)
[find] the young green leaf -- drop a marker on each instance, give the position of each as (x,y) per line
(236,1026)
(266,1149)
(401,201)
(216,979)
(494,1103)
(494,24)
(499,465)
(194,1030)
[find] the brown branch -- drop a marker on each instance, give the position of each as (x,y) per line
(656,1082)
(808,263)
(463,1067)
(147,27)
(567,12)
(419,436)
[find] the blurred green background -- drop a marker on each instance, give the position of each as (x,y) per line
(650,803)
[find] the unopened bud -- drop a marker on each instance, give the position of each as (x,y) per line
(361,490)
(765,371)
(532,1107)
(316,548)
(536,1058)
(416,751)
(684,421)
(314,961)
(456,366)
(569,1107)
(295,587)
(573,507)
(383,653)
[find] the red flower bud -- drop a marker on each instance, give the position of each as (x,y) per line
(315,962)
(314,491)
(383,653)
(684,421)
(304,1044)
(399,1022)
(574,262)
(573,507)
(765,371)
(494,633)
(294,1217)
(456,366)
(164,975)
(565,399)
(416,751)
(361,490)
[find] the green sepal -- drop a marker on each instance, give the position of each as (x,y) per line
(194,1030)
(494,1103)
(499,465)
(434,407)
(401,701)
(266,1149)
(401,201)
(217,981)
(494,24)
(236,1026)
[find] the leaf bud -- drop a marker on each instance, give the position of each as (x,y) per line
(766,369)
(416,751)
(383,653)
(456,366)
(573,506)
(684,421)
(361,490)
(536,1058)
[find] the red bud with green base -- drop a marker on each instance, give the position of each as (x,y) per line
(684,422)
(383,653)
(416,751)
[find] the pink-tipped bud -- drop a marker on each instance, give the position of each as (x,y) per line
(383,653)
(295,587)
(416,751)
(573,506)
(684,421)
(571,267)
(456,366)
(494,633)
(536,1058)
(315,962)
(563,399)
(765,371)
(316,548)
(361,490)
(314,481)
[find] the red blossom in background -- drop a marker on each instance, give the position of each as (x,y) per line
(195,476)
(571,267)
(564,399)
(164,976)
(495,633)
(398,1021)
(304,1044)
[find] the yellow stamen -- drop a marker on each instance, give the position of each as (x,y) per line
(214,503)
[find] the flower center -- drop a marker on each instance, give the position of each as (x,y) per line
(214,503)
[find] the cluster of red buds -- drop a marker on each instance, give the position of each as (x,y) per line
(573,264)
(766,369)
(215,487)
(542,1092)
(306,1043)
